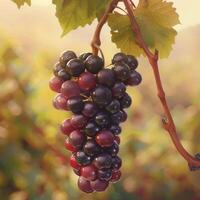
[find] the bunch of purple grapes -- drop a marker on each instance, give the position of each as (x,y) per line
(97,98)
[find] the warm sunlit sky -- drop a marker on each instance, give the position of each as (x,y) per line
(187,9)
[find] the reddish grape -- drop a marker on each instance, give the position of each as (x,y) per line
(69,146)
(74,164)
(105,138)
(66,127)
(55,84)
(99,185)
(89,172)
(70,89)
(78,121)
(84,185)
(116,175)
(60,102)
(87,81)
(76,138)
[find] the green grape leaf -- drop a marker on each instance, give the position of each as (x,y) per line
(22,2)
(74,13)
(156,19)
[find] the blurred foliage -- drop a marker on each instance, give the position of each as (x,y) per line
(33,161)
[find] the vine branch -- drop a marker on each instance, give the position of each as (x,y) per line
(168,124)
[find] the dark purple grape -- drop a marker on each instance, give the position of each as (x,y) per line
(102,119)
(115,129)
(91,148)
(113,107)
(75,104)
(105,174)
(84,56)
(63,75)
(102,96)
(113,150)
(119,57)
(94,64)
(132,62)
(57,68)
(116,118)
(119,90)
(105,138)
(82,158)
(91,129)
(75,67)
(134,79)
(103,161)
(124,116)
(60,102)
(106,77)
(87,81)
(90,109)
(125,101)
(66,57)
(122,71)
(116,162)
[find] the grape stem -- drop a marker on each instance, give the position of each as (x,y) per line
(153,58)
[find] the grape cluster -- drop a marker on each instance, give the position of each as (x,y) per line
(97,98)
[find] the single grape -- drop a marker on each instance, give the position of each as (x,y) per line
(87,81)
(76,138)
(69,146)
(55,84)
(66,127)
(57,68)
(124,116)
(115,129)
(83,159)
(116,175)
(75,67)
(119,57)
(91,129)
(60,102)
(102,96)
(122,71)
(125,101)
(117,117)
(89,172)
(74,164)
(91,148)
(105,138)
(117,139)
(106,77)
(103,161)
(75,104)
(113,107)
(78,121)
(116,162)
(132,62)
(102,119)
(134,79)
(70,89)
(66,57)
(90,109)
(99,185)
(84,56)
(84,185)
(94,64)
(63,75)
(119,90)
(113,150)
(105,174)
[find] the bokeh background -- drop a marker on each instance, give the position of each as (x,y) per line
(33,161)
